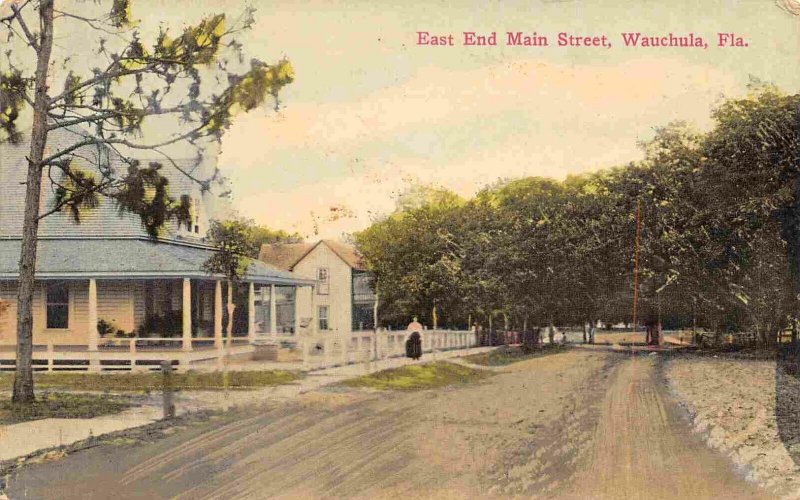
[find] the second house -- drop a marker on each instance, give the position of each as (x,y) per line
(344,296)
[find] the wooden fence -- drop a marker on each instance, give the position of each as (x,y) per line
(737,339)
(333,349)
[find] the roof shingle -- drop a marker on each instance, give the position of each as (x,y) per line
(287,255)
(125,258)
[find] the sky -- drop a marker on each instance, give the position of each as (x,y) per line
(371,112)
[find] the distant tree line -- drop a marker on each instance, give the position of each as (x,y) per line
(719,236)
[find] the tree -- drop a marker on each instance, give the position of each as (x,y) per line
(262,235)
(661,189)
(753,181)
(190,85)
(415,256)
(594,233)
(235,244)
(514,259)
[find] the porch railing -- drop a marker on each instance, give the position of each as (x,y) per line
(120,354)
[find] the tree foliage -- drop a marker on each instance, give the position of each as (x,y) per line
(262,235)
(719,235)
(235,244)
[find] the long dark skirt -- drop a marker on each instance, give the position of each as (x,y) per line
(414,346)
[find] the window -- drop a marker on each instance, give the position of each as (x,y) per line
(193,224)
(323,281)
(284,309)
(363,287)
(323,317)
(262,308)
(363,317)
(196,214)
(57,300)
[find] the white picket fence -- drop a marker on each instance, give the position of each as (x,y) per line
(335,349)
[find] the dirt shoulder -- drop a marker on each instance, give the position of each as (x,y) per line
(735,406)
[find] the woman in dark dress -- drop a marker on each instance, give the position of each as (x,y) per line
(414,346)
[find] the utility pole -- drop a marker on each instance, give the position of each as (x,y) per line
(636,263)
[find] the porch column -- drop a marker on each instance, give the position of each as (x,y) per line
(92,317)
(251,312)
(375,313)
(231,307)
(218,314)
(273,312)
(375,335)
(314,324)
(296,310)
(187,314)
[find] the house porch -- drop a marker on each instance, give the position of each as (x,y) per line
(101,324)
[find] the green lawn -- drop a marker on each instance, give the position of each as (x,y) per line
(61,405)
(506,355)
(417,377)
(145,382)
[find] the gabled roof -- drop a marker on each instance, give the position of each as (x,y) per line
(287,255)
(347,253)
(126,258)
(284,255)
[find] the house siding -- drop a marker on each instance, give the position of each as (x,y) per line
(339,297)
(78,308)
(106,220)
(139,307)
(115,302)
(103,221)
(8,315)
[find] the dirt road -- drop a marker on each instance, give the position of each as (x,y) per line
(578,424)
(643,447)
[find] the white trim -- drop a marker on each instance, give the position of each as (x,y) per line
(70,310)
(327,317)
(158,274)
(326,282)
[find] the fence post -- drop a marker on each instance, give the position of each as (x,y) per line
(132,352)
(327,345)
(366,353)
(166,389)
(50,354)
(305,344)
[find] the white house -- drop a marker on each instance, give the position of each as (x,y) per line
(108,296)
(343,298)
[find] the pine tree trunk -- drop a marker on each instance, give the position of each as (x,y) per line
(23,379)
(790,223)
